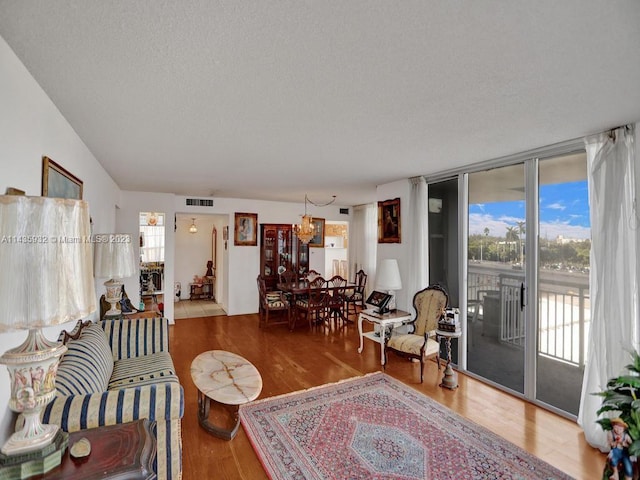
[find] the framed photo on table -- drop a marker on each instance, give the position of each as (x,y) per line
(59,182)
(318,233)
(389,221)
(246,229)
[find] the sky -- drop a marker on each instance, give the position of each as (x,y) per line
(564,210)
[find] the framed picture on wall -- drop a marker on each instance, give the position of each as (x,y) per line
(246,229)
(389,221)
(318,233)
(59,182)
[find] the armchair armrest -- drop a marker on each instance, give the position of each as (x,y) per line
(157,402)
(135,337)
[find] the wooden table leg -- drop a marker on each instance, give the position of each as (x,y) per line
(204,403)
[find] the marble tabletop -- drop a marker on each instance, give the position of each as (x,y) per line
(226,377)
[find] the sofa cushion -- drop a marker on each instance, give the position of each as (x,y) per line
(145,370)
(87,364)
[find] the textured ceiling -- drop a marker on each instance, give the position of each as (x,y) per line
(275,99)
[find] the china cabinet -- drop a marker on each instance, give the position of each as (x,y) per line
(280,250)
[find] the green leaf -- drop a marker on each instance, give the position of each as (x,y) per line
(630,380)
(605,423)
(634,448)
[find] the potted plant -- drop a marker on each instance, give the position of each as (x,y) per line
(623,432)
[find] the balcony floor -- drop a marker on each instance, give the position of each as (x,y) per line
(559,383)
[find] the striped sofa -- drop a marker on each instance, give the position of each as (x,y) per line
(117,371)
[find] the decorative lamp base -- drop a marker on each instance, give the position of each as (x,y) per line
(38,462)
(32,372)
(113,295)
(450,378)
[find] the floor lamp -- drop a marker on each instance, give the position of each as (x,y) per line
(46,274)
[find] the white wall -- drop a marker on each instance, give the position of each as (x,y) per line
(194,250)
(31,126)
(399,251)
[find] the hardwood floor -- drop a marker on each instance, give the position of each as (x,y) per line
(302,359)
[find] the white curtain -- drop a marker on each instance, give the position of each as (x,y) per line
(418,275)
(614,290)
(364,241)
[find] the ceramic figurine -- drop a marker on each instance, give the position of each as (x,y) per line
(618,459)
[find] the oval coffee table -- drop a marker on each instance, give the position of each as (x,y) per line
(227,379)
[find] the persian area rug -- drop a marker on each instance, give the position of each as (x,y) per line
(375,427)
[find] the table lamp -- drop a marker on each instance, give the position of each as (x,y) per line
(388,278)
(113,259)
(46,276)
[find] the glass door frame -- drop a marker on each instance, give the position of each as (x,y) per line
(531,162)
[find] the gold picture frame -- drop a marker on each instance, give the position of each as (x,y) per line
(317,241)
(389,221)
(58,182)
(246,230)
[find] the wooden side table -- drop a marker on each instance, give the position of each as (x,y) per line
(124,451)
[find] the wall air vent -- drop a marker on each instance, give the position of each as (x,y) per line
(200,202)
(344,211)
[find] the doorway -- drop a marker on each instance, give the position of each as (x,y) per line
(199,288)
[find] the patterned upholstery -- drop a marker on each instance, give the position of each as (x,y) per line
(430,304)
(87,365)
(142,384)
(271,302)
(144,370)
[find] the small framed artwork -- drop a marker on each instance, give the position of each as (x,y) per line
(246,229)
(389,221)
(318,233)
(59,182)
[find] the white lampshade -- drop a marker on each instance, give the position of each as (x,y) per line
(46,278)
(46,269)
(388,275)
(113,255)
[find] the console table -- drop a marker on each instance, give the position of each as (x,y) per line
(200,290)
(383,325)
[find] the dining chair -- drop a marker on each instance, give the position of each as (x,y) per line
(270,303)
(422,343)
(313,305)
(312,274)
(356,296)
(335,304)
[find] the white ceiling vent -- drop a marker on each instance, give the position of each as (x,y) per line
(200,202)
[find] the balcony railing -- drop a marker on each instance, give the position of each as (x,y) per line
(563,309)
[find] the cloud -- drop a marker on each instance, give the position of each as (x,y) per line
(556,206)
(551,230)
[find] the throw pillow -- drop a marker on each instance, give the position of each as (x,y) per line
(87,365)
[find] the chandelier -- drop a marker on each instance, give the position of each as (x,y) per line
(305,231)
(193,228)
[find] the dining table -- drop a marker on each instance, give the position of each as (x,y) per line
(301,287)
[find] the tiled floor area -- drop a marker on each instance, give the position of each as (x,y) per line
(197,308)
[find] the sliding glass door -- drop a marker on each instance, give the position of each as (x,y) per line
(495,275)
(528,243)
(563,308)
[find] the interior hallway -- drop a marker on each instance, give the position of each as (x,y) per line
(197,308)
